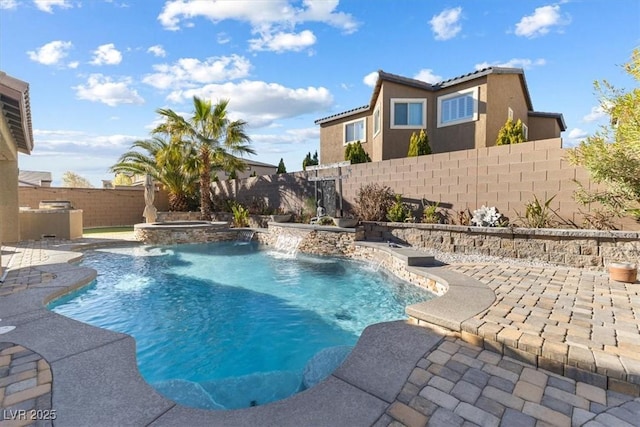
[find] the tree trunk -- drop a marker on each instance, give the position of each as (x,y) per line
(205,184)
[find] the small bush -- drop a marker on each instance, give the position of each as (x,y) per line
(511,133)
(431,215)
(538,215)
(355,153)
(240,215)
(488,217)
(373,201)
(326,220)
(419,144)
(464,217)
(399,211)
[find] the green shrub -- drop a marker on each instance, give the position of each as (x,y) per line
(372,202)
(399,211)
(355,152)
(240,215)
(511,133)
(419,144)
(538,215)
(430,214)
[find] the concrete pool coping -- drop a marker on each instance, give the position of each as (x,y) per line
(113,391)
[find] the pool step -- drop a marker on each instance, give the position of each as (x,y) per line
(411,257)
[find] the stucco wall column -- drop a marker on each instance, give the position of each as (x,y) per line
(9,207)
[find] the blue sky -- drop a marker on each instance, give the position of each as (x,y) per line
(99,69)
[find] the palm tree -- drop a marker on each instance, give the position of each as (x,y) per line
(216,138)
(170,164)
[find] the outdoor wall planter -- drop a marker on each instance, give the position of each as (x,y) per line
(281,218)
(345,222)
(623,272)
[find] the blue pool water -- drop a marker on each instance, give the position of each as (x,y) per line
(226,325)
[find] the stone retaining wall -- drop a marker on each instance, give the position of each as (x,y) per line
(576,248)
(316,240)
(398,268)
(170,236)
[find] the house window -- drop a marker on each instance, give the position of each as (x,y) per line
(525,132)
(408,113)
(355,131)
(510,114)
(376,121)
(458,107)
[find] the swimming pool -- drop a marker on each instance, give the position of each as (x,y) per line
(226,325)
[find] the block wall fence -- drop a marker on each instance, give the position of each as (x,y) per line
(100,207)
(503,176)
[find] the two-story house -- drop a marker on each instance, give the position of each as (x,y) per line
(461,113)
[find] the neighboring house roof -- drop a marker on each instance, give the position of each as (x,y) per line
(33,178)
(558,116)
(16,109)
(256,163)
(384,76)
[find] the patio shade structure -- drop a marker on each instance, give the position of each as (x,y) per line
(150,211)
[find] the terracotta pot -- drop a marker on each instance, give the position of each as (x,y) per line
(623,272)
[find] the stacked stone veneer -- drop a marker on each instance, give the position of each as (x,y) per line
(576,248)
(178,216)
(397,267)
(316,240)
(191,234)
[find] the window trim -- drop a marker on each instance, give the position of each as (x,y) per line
(395,101)
(474,94)
(377,121)
(344,131)
(510,114)
(525,132)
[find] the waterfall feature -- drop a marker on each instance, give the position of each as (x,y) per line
(245,236)
(287,244)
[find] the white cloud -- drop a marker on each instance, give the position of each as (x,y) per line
(157,50)
(73,64)
(427,75)
(47,5)
(274,12)
(290,136)
(261,103)
(189,72)
(595,114)
(223,38)
(446,25)
(370,79)
(100,88)
(281,42)
(274,21)
(8,4)
(51,53)
(524,63)
(106,54)
(63,139)
(577,133)
(541,22)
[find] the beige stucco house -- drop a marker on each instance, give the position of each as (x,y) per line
(16,136)
(460,113)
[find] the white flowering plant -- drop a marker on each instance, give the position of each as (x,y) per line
(487,217)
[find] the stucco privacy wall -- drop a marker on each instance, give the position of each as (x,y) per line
(506,177)
(100,207)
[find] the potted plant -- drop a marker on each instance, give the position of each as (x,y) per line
(623,272)
(345,222)
(280,216)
